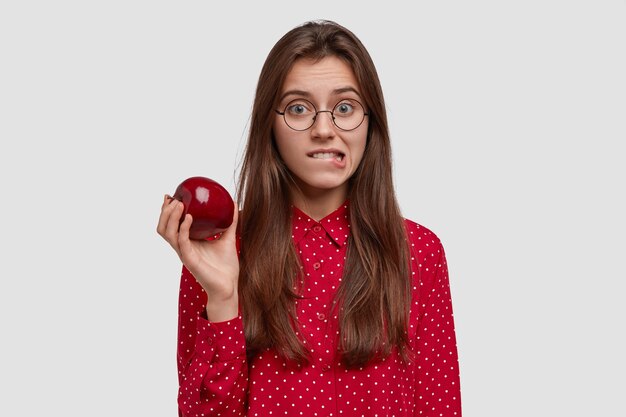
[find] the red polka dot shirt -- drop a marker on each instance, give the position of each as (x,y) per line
(217,380)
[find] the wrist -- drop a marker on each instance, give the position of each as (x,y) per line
(222,310)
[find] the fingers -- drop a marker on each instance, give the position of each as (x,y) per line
(166,201)
(171,229)
(184,244)
(166,210)
(169,221)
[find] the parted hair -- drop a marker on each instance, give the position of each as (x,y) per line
(373,298)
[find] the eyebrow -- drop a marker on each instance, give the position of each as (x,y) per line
(308,95)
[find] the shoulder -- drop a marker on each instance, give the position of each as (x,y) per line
(426,253)
(421,237)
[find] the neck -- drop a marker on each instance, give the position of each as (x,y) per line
(318,204)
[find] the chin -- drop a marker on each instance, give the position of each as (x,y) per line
(327,185)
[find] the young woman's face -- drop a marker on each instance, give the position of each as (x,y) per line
(323,157)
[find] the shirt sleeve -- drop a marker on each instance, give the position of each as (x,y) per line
(212,367)
(438,390)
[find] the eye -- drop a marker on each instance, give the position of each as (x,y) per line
(344,108)
(299,108)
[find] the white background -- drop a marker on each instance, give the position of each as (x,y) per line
(508,124)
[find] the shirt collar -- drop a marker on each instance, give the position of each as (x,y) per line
(336,224)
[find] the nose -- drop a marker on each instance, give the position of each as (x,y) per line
(323,126)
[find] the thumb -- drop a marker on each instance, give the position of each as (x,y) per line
(231,232)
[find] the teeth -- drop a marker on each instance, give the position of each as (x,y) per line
(327,155)
(323,155)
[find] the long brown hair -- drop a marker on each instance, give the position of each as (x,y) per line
(374,295)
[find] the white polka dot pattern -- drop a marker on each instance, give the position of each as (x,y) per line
(216,380)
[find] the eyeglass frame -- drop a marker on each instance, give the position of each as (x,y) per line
(332,114)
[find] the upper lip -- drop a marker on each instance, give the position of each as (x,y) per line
(331,150)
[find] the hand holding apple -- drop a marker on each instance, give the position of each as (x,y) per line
(209,204)
(214,263)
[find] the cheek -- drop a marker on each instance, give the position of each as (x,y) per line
(287,147)
(280,141)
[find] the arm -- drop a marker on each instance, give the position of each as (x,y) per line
(438,391)
(212,367)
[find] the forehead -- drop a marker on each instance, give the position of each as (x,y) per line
(319,77)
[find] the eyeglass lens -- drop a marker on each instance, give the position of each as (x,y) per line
(300,114)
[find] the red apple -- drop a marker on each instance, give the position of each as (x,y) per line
(209,204)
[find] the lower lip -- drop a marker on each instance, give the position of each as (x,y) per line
(337,164)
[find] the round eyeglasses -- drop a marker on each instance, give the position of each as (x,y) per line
(300,114)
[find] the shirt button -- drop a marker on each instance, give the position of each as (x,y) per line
(209,340)
(317,265)
(326,368)
(317,228)
(321,316)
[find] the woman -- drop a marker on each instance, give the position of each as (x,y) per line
(320,299)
